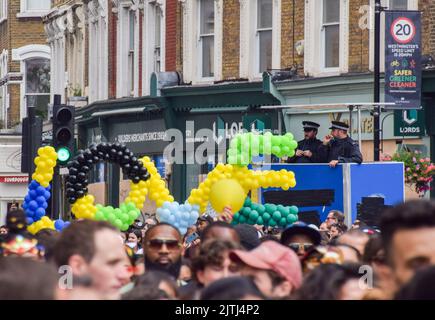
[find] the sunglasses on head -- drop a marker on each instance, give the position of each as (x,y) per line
(158,243)
(295,246)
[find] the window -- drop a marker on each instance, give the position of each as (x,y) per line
(37,85)
(3,10)
(398,5)
(331,33)
(264,34)
(206,38)
(35,5)
(131,69)
(157,39)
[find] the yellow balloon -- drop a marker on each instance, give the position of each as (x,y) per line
(227,192)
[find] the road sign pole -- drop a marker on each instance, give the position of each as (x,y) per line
(376,93)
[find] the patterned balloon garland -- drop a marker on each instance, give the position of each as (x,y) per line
(76,183)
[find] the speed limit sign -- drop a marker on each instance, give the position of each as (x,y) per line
(403,30)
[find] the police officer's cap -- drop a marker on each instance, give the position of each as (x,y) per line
(339,125)
(310,125)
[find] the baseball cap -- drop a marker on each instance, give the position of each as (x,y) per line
(270,255)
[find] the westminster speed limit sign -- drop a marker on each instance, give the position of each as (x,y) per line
(403,30)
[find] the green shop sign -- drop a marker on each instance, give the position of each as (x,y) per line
(408,123)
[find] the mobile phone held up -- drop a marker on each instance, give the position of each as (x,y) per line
(192,237)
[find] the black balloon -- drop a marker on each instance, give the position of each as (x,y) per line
(73,171)
(88,154)
(81,158)
(80,194)
(72,179)
(72,200)
(81,176)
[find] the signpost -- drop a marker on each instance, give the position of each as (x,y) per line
(408,123)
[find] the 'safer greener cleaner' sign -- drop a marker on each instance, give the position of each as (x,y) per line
(402,59)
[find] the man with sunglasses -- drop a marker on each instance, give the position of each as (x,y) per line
(301,238)
(162,249)
(307,148)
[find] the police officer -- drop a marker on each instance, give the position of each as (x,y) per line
(307,151)
(338,147)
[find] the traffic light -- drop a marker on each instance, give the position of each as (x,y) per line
(63,132)
(31,141)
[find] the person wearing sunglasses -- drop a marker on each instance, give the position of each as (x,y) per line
(162,249)
(301,238)
(307,148)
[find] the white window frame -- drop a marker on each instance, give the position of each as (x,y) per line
(323,67)
(3,10)
(257,39)
(314,45)
(123,52)
(26,13)
(32,51)
(98,47)
(149,42)
(4,103)
(249,40)
(200,45)
(192,64)
(412,5)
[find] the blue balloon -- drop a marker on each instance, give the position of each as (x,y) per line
(40,190)
(182,230)
(59,224)
(166,205)
(171,219)
(33,184)
(40,200)
(188,207)
(185,216)
(27,198)
(44,205)
(39,213)
(29,221)
(33,194)
(30,213)
(25,205)
(33,205)
(66,224)
(48,188)
(47,195)
(194,215)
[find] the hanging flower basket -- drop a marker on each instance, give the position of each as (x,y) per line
(419,170)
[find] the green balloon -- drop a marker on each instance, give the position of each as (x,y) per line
(253,215)
(291,218)
(123,207)
(293,144)
(118,223)
(260,221)
(261,209)
(272,208)
(280,208)
(131,215)
(111,218)
(131,206)
(276,150)
(110,208)
(289,135)
(251,222)
(285,150)
(276,216)
(282,222)
(99,206)
(266,217)
(99,216)
(294,210)
(118,212)
(242,219)
(246,211)
(254,206)
(272,223)
(248,202)
(124,218)
(236,217)
(124,227)
(276,140)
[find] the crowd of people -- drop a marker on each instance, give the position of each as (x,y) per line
(218,260)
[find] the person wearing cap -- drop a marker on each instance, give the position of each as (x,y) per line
(301,238)
(338,147)
(307,151)
(275,268)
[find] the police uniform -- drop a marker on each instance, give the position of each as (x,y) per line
(344,150)
(308,144)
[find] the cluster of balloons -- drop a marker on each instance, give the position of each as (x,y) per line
(35,202)
(84,208)
(59,224)
(201,195)
(244,146)
(180,216)
(121,217)
(155,187)
(229,192)
(77,181)
(270,215)
(44,223)
(45,162)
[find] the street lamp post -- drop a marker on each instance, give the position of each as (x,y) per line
(376,93)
